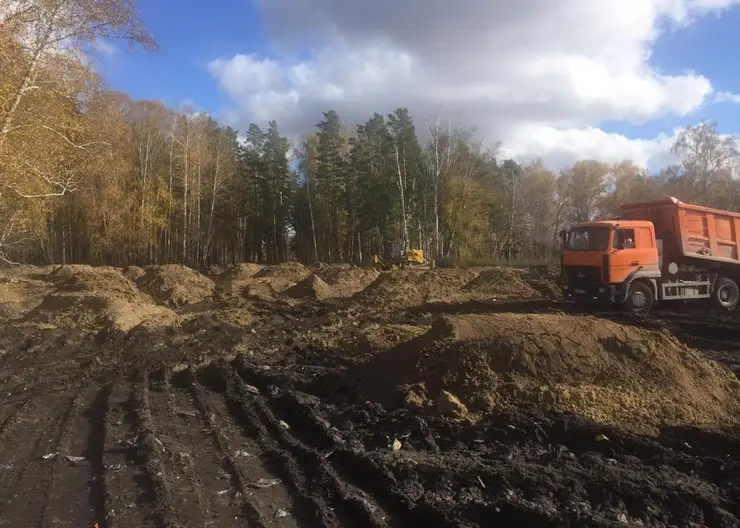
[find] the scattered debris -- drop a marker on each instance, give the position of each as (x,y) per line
(75,460)
(191,414)
(265,483)
(396,445)
(281,513)
(49,456)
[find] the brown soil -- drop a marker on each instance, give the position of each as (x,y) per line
(312,287)
(243,270)
(133,273)
(176,285)
(289,271)
(346,280)
(503,283)
(612,373)
(86,297)
(406,288)
(360,412)
(19,295)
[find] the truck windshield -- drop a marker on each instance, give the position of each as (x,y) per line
(588,239)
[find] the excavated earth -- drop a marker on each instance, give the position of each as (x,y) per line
(338,396)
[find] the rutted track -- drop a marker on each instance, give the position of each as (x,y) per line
(131,429)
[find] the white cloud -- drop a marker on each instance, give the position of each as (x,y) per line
(727,97)
(104,47)
(537,75)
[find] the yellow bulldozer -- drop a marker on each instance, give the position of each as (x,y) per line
(394,256)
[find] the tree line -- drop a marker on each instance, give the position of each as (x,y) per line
(89,175)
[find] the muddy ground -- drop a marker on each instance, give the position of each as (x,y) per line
(337,396)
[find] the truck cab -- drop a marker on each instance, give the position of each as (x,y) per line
(600,260)
(664,250)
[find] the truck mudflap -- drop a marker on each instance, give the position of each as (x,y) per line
(611,293)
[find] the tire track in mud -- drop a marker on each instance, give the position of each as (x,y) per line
(69,494)
(370,478)
(351,504)
(152,454)
(33,468)
(124,487)
(304,473)
(202,492)
(236,452)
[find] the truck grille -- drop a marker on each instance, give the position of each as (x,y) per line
(583,274)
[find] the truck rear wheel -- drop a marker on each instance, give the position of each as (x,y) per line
(726,294)
(639,298)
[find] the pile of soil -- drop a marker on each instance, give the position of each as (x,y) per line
(376,337)
(312,287)
(612,373)
(241,271)
(504,283)
(20,295)
(291,271)
(133,273)
(176,285)
(97,298)
(406,288)
(347,280)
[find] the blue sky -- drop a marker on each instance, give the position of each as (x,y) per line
(192,34)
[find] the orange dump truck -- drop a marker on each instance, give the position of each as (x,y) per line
(658,251)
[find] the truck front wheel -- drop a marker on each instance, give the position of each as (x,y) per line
(639,298)
(726,294)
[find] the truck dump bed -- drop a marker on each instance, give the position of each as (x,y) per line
(690,232)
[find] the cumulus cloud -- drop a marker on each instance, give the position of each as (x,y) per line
(538,76)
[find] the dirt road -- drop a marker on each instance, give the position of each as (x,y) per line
(252,410)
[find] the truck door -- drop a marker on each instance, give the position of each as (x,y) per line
(632,248)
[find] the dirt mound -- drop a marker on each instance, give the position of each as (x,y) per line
(346,279)
(406,288)
(504,283)
(291,271)
(243,270)
(94,298)
(133,273)
(311,287)
(176,285)
(612,373)
(20,295)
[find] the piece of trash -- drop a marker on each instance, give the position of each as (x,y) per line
(602,438)
(192,414)
(687,445)
(327,453)
(74,459)
(251,388)
(49,456)
(265,483)
(396,445)
(281,513)
(241,453)
(7,467)
(481,482)
(284,425)
(222,492)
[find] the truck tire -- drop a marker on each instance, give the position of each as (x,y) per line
(639,298)
(726,294)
